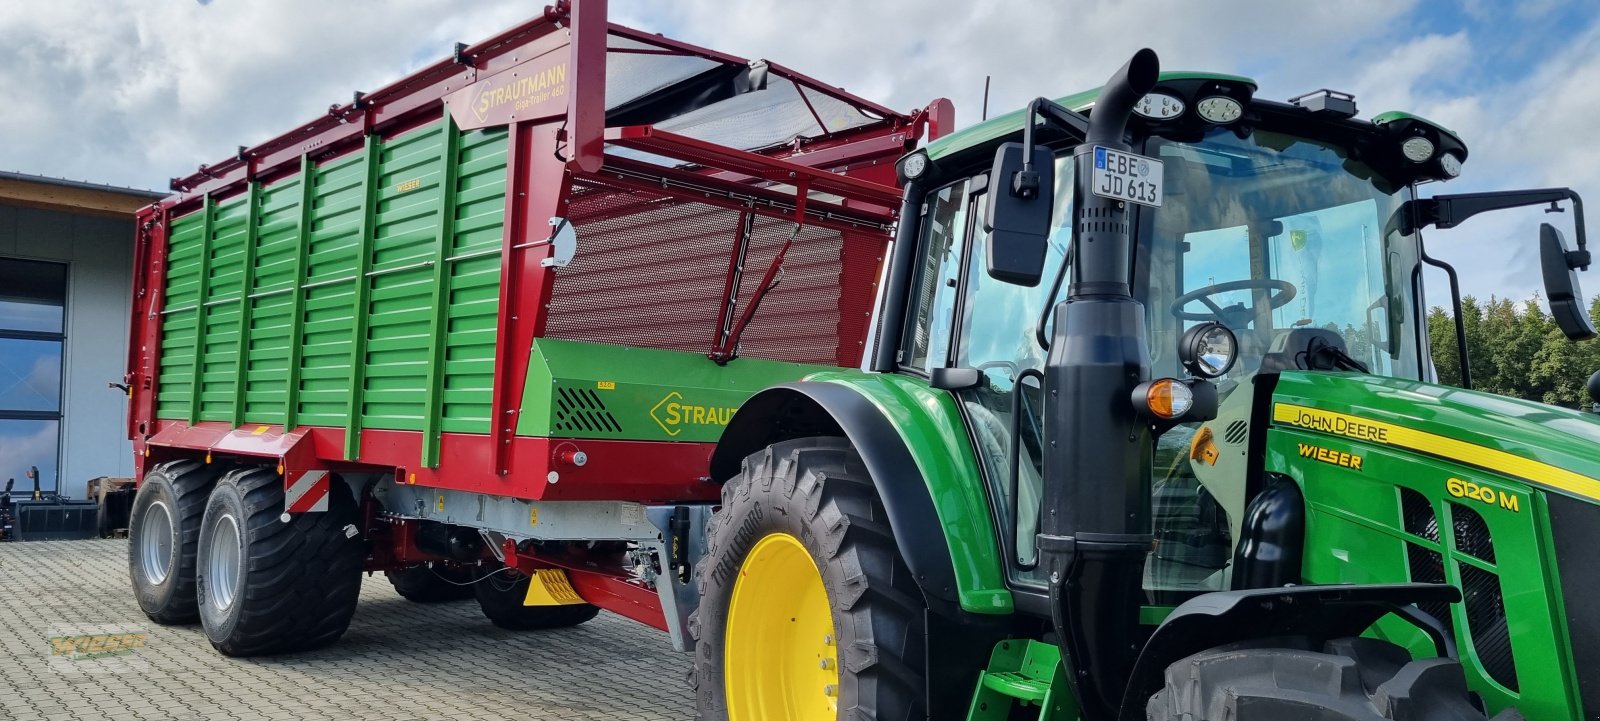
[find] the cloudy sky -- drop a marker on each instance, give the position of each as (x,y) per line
(133,92)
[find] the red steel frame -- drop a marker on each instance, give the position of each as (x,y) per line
(545,157)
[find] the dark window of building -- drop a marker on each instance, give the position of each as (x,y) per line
(33,300)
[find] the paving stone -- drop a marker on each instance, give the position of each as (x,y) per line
(399,661)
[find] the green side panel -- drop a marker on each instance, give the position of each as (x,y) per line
(271,302)
(593,390)
(219,316)
(472,282)
(1403,513)
(332,242)
(344,294)
(1003,125)
(931,426)
(180,316)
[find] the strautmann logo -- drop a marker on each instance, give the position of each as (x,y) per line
(673,414)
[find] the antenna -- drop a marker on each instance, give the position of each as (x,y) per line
(985,98)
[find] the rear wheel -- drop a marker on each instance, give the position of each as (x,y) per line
(163,534)
(266,586)
(430,584)
(807,610)
(1350,679)
(501,595)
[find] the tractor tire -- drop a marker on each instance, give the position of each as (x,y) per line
(266,586)
(803,543)
(1351,679)
(426,584)
(500,595)
(163,535)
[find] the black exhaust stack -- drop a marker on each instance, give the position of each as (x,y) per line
(1096,529)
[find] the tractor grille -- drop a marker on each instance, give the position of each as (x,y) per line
(1486,620)
(1575,524)
(1472,534)
(1237,432)
(1419,516)
(1427,566)
(580,409)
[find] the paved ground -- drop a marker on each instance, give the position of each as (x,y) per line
(399,660)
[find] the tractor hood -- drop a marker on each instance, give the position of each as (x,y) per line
(1552,447)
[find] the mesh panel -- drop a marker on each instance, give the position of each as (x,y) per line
(1418,515)
(651,270)
(1472,533)
(1427,566)
(1486,619)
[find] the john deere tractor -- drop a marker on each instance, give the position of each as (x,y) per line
(1146,431)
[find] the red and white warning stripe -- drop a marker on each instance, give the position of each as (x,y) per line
(306,491)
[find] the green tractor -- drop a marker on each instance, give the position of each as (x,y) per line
(1146,432)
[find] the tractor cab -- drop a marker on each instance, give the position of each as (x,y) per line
(1275,222)
(1112,296)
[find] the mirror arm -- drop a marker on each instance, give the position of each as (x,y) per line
(1026,183)
(1449,211)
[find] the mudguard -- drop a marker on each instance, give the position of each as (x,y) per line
(946,534)
(1320,613)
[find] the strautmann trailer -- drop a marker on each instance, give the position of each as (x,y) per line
(1142,425)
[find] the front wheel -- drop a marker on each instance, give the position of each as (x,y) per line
(807,609)
(1350,679)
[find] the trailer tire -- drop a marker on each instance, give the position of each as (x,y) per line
(163,535)
(428,584)
(806,504)
(266,586)
(1349,679)
(501,599)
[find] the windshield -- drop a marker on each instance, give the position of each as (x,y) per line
(1277,236)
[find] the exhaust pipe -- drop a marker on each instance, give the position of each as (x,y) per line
(1096,529)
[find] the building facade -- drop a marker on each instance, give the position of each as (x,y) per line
(66,255)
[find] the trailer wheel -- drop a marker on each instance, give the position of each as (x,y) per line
(500,595)
(425,584)
(163,532)
(807,609)
(1351,679)
(266,586)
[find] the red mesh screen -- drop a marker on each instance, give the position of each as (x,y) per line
(651,269)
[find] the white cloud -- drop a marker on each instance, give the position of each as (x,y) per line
(134,92)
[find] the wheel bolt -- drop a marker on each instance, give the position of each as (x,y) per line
(827,640)
(830,690)
(827,663)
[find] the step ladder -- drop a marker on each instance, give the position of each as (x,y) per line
(1026,673)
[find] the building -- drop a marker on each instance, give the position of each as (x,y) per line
(66,264)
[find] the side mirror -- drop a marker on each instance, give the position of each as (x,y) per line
(1561,286)
(1018,216)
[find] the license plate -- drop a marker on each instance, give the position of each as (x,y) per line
(1125,176)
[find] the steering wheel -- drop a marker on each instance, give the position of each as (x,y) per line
(1285,292)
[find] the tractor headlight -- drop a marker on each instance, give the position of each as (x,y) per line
(1219,109)
(1208,350)
(1417,149)
(1450,164)
(913,166)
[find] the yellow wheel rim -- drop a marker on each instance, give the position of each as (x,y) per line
(780,658)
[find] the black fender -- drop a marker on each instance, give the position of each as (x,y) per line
(1318,613)
(802,409)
